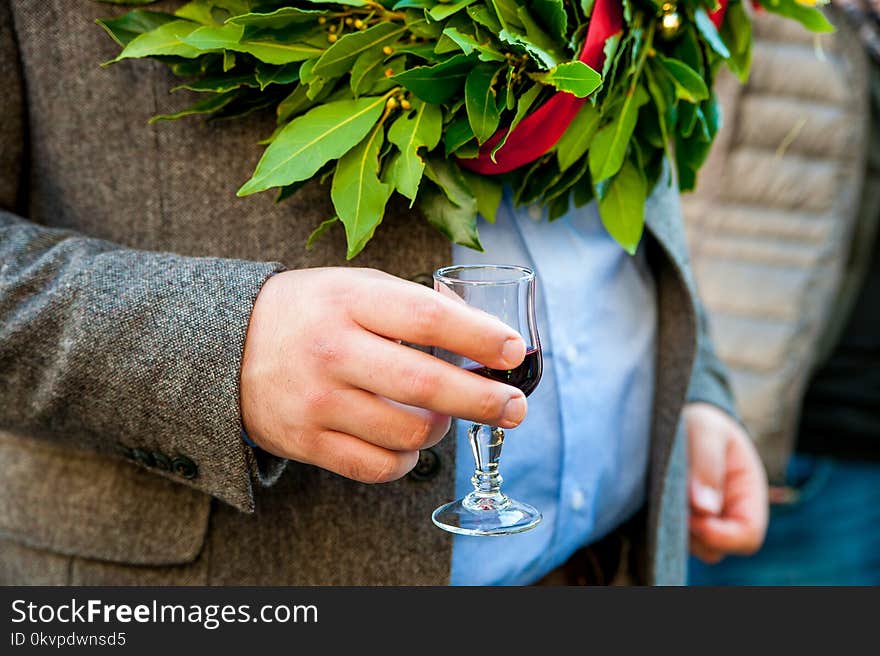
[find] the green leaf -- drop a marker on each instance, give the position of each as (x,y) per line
(575,141)
(421,127)
(418,4)
(811,18)
(456,223)
(480,100)
(207,105)
(663,98)
(689,85)
(382,80)
(446,175)
(286,74)
(305,144)
(212,12)
(737,34)
(229,37)
(437,84)
(487,193)
(219,83)
(506,12)
(707,29)
(574,77)
(279,18)
(318,232)
(622,207)
(467,44)
(523,104)
(486,17)
(608,148)
(341,56)
(129,26)
(551,14)
(457,134)
(358,195)
(444,11)
(546,43)
(293,104)
(688,50)
(167,39)
(368,68)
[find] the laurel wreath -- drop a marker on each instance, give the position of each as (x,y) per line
(380,97)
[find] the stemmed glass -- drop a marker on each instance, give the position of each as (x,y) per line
(508,293)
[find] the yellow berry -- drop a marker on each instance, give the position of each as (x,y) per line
(359,24)
(349,21)
(332,38)
(391,103)
(387,50)
(389,72)
(405,104)
(332,28)
(412,38)
(322,20)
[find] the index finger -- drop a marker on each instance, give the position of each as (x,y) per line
(410,312)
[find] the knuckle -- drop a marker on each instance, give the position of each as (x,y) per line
(304,443)
(426,317)
(420,435)
(319,402)
(491,404)
(423,385)
(388,468)
(326,350)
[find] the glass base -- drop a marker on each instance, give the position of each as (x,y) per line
(486,515)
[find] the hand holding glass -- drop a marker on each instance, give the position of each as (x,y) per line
(508,293)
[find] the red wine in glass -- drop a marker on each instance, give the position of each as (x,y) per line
(526,376)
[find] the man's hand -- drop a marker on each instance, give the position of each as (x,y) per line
(727,487)
(324,380)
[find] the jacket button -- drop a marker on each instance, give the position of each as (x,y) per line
(142,456)
(183,466)
(427,467)
(162,461)
(425,279)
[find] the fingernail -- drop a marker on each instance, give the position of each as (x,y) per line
(513,351)
(707,498)
(515,410)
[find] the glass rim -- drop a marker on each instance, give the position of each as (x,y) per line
(525,274)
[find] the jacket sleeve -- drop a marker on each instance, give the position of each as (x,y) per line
(119,351)
(709,380)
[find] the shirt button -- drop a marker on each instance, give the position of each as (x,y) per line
(162,461)
(577,500)
(142,456)
(183,466)
(427,467)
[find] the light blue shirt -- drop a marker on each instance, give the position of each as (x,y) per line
(581,455)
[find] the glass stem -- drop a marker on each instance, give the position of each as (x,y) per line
(486,443)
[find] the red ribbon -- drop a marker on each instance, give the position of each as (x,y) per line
(539,131)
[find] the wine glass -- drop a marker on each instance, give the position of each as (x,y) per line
(508,293)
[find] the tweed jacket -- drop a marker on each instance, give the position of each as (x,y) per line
(128,270)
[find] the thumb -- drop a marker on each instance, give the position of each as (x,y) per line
(707,445)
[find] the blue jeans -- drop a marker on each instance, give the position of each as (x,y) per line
(829,536)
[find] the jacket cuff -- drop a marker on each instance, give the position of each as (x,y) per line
(708,387)
(196,362)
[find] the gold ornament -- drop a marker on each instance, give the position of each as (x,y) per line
(670,21)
